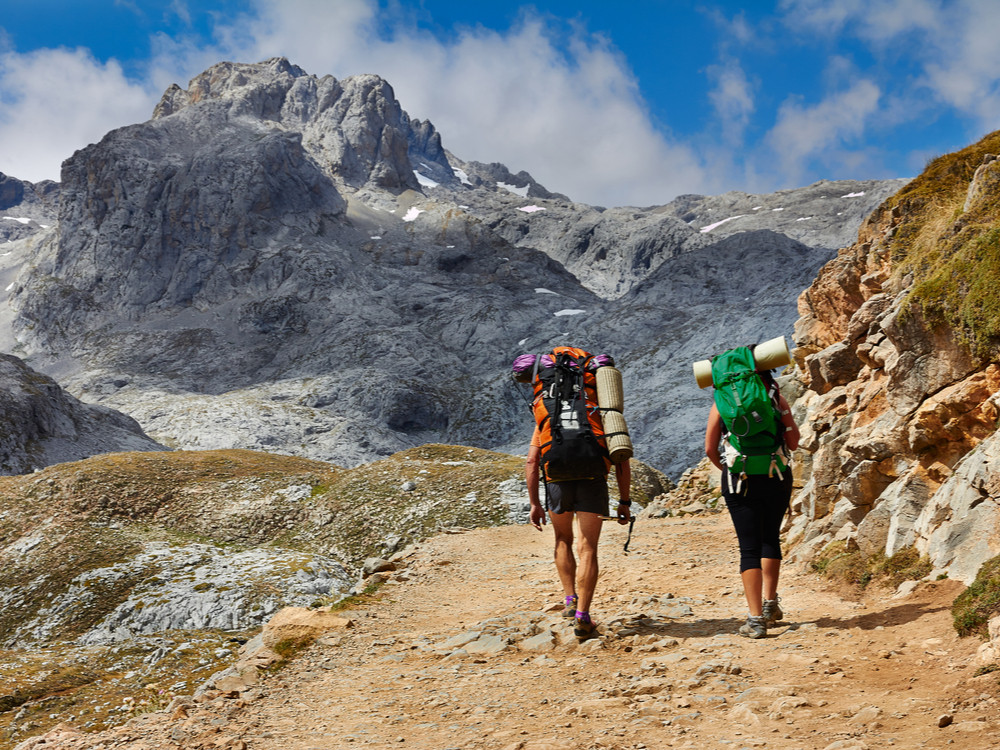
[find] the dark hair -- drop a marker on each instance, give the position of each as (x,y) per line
(766,375)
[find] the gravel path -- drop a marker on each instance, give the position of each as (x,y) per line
(465,648)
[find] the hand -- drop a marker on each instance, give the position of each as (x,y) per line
(537,516)
(624,514)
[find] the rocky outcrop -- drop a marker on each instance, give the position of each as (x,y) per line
(26,208)
(44,425)
(825,214)
(901,402)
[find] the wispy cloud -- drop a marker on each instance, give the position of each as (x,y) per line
(950,48)
(59,100)
(732,97)
(554,100)
(804,133)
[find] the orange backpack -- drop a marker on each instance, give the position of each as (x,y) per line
(568,418)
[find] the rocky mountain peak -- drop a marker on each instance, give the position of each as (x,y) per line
(26,208)
(246,83)
(290,262)
(354,129)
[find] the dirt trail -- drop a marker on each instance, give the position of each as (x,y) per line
(837,674)
(668,670)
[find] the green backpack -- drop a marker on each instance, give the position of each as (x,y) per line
(748,411)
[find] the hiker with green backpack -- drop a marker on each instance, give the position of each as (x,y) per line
(754,424)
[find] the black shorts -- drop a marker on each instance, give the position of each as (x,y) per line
(757,513)
(581,495)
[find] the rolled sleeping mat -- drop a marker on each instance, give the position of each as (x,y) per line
(770,355)
(618,440)
(703,373)
(610,394)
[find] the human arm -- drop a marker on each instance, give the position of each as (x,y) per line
(791,429)
(531,475)
(623,476)
(713,434)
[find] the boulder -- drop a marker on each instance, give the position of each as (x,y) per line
(301,626)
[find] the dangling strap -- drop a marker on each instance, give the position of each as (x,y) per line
(735,484)
(773,468)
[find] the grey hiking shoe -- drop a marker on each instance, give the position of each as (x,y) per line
(584,629)
(772,611)
(754,627)
(570,610)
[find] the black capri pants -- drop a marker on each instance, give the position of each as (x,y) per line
(757,512)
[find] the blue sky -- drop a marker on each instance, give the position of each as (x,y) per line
(613,104)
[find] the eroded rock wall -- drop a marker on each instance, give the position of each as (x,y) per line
(900,406)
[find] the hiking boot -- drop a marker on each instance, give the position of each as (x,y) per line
(754,627)
(772,612)
(584,629)
(570,610)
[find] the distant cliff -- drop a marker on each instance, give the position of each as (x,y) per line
(41,424)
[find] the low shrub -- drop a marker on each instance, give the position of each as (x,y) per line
(977,605)
(845,563)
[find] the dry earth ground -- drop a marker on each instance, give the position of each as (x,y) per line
(839,674)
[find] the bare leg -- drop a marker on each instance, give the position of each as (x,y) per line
(771,568)
(590,533)
(752,586)
(562,525)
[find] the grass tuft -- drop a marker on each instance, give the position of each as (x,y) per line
(977,605)
(952,255)
(846,564)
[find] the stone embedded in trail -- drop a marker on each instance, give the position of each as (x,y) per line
(657,664)
(376,565)
(976,725)
(756,697)
(743,714)
(646,686)
(597,707)
(301,626)
(486,644)
(457,641)
(719,667)
(544,641)
(866,715)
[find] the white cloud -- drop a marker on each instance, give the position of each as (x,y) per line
(733,99)
(569,112)
(876,20)
(804,133)
(951,47)
(58,100)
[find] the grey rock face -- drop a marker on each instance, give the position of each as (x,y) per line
(823,215)
(292,263)
(25,208)
(43,425)
(192,587)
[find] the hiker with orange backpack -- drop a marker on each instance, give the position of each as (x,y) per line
(754,423)
(569,454)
